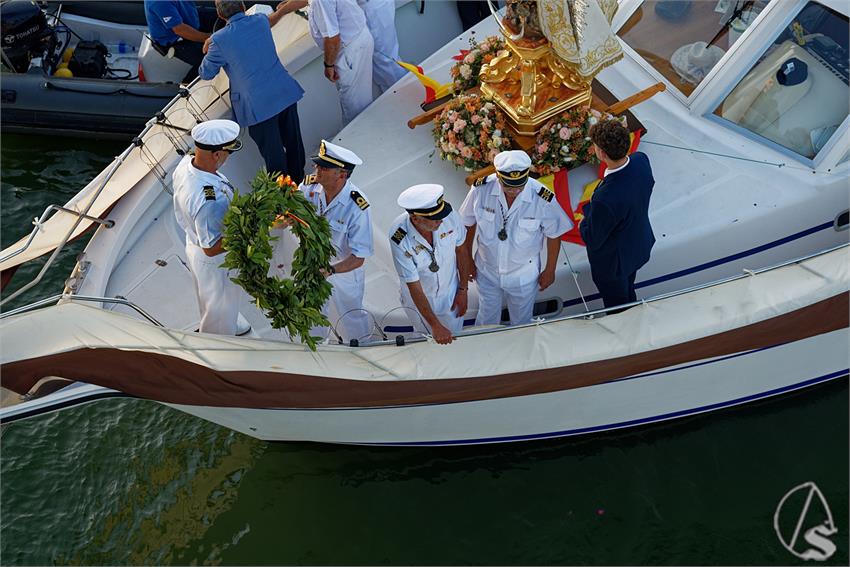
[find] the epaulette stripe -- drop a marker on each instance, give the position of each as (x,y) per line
(545,194)
(399,235)
(360,200)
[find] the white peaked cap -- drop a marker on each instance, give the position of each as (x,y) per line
(512,160)
(425,200)
(215,132)
(333,155)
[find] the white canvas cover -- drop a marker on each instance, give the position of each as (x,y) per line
(654,325)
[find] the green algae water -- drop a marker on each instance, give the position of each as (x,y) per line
(132,482)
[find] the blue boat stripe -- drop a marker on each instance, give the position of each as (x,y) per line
(713,263)
(737,256)
(631,423)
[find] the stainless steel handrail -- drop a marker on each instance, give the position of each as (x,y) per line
(116,163)
(91,298)
(592,314)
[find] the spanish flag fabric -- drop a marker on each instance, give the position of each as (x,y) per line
(559,183)
(433,89)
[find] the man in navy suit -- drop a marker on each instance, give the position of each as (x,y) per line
(263,95)
(616,225)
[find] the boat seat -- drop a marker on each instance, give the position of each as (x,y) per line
(786,115)
(160,69)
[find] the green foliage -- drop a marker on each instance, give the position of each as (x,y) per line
(292,304)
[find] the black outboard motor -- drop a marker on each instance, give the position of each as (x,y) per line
(24,31)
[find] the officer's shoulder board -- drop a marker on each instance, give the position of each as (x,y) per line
(545,194)
(398,235)
(310,179)
(209,193)
(480,181)
(359,200)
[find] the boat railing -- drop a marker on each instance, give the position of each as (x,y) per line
(161,120)
(86,298)
(746,273)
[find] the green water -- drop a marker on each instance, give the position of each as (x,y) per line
(132,482)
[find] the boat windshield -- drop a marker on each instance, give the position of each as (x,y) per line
(796,93)
(684,39)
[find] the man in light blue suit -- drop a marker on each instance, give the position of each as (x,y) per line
(263,95)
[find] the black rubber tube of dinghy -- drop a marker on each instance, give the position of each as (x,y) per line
(49,85)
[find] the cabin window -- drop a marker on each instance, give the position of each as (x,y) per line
(796,93)
(684,39)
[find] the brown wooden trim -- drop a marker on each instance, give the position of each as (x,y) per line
(173,380)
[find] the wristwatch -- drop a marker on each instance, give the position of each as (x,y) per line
(328,66)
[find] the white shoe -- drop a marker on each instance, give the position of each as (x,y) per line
(243,327)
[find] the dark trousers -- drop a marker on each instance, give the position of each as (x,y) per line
(279,140)
(472,11)
(192,53)
(616,292)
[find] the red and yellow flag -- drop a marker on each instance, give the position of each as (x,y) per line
(433,89)
(559,183)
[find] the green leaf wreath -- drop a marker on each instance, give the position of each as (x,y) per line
(292,304)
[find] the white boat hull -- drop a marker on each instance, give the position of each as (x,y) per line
(670,393)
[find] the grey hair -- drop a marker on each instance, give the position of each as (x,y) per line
(228,8)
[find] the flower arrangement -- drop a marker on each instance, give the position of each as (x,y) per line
(470,131)
(465,71)
(563,142)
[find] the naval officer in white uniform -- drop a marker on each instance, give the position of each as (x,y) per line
(201,198)
(380,17)
(339,29)
(513,218)
(426,244)
(340,201)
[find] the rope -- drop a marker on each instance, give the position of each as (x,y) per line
(50,85)
(759,162)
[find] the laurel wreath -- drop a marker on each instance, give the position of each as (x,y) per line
(293,304)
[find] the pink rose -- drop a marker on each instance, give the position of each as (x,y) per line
(466,152)
(460,125)
(564,134)
(476,119)
(541,148)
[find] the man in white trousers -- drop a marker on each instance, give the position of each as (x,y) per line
(201,198)
(339,29)
(514,218)
(426,243)
(380,17)
(340,201)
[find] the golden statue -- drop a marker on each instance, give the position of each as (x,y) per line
(555,48)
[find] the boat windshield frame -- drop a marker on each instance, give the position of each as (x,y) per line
(733,66)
